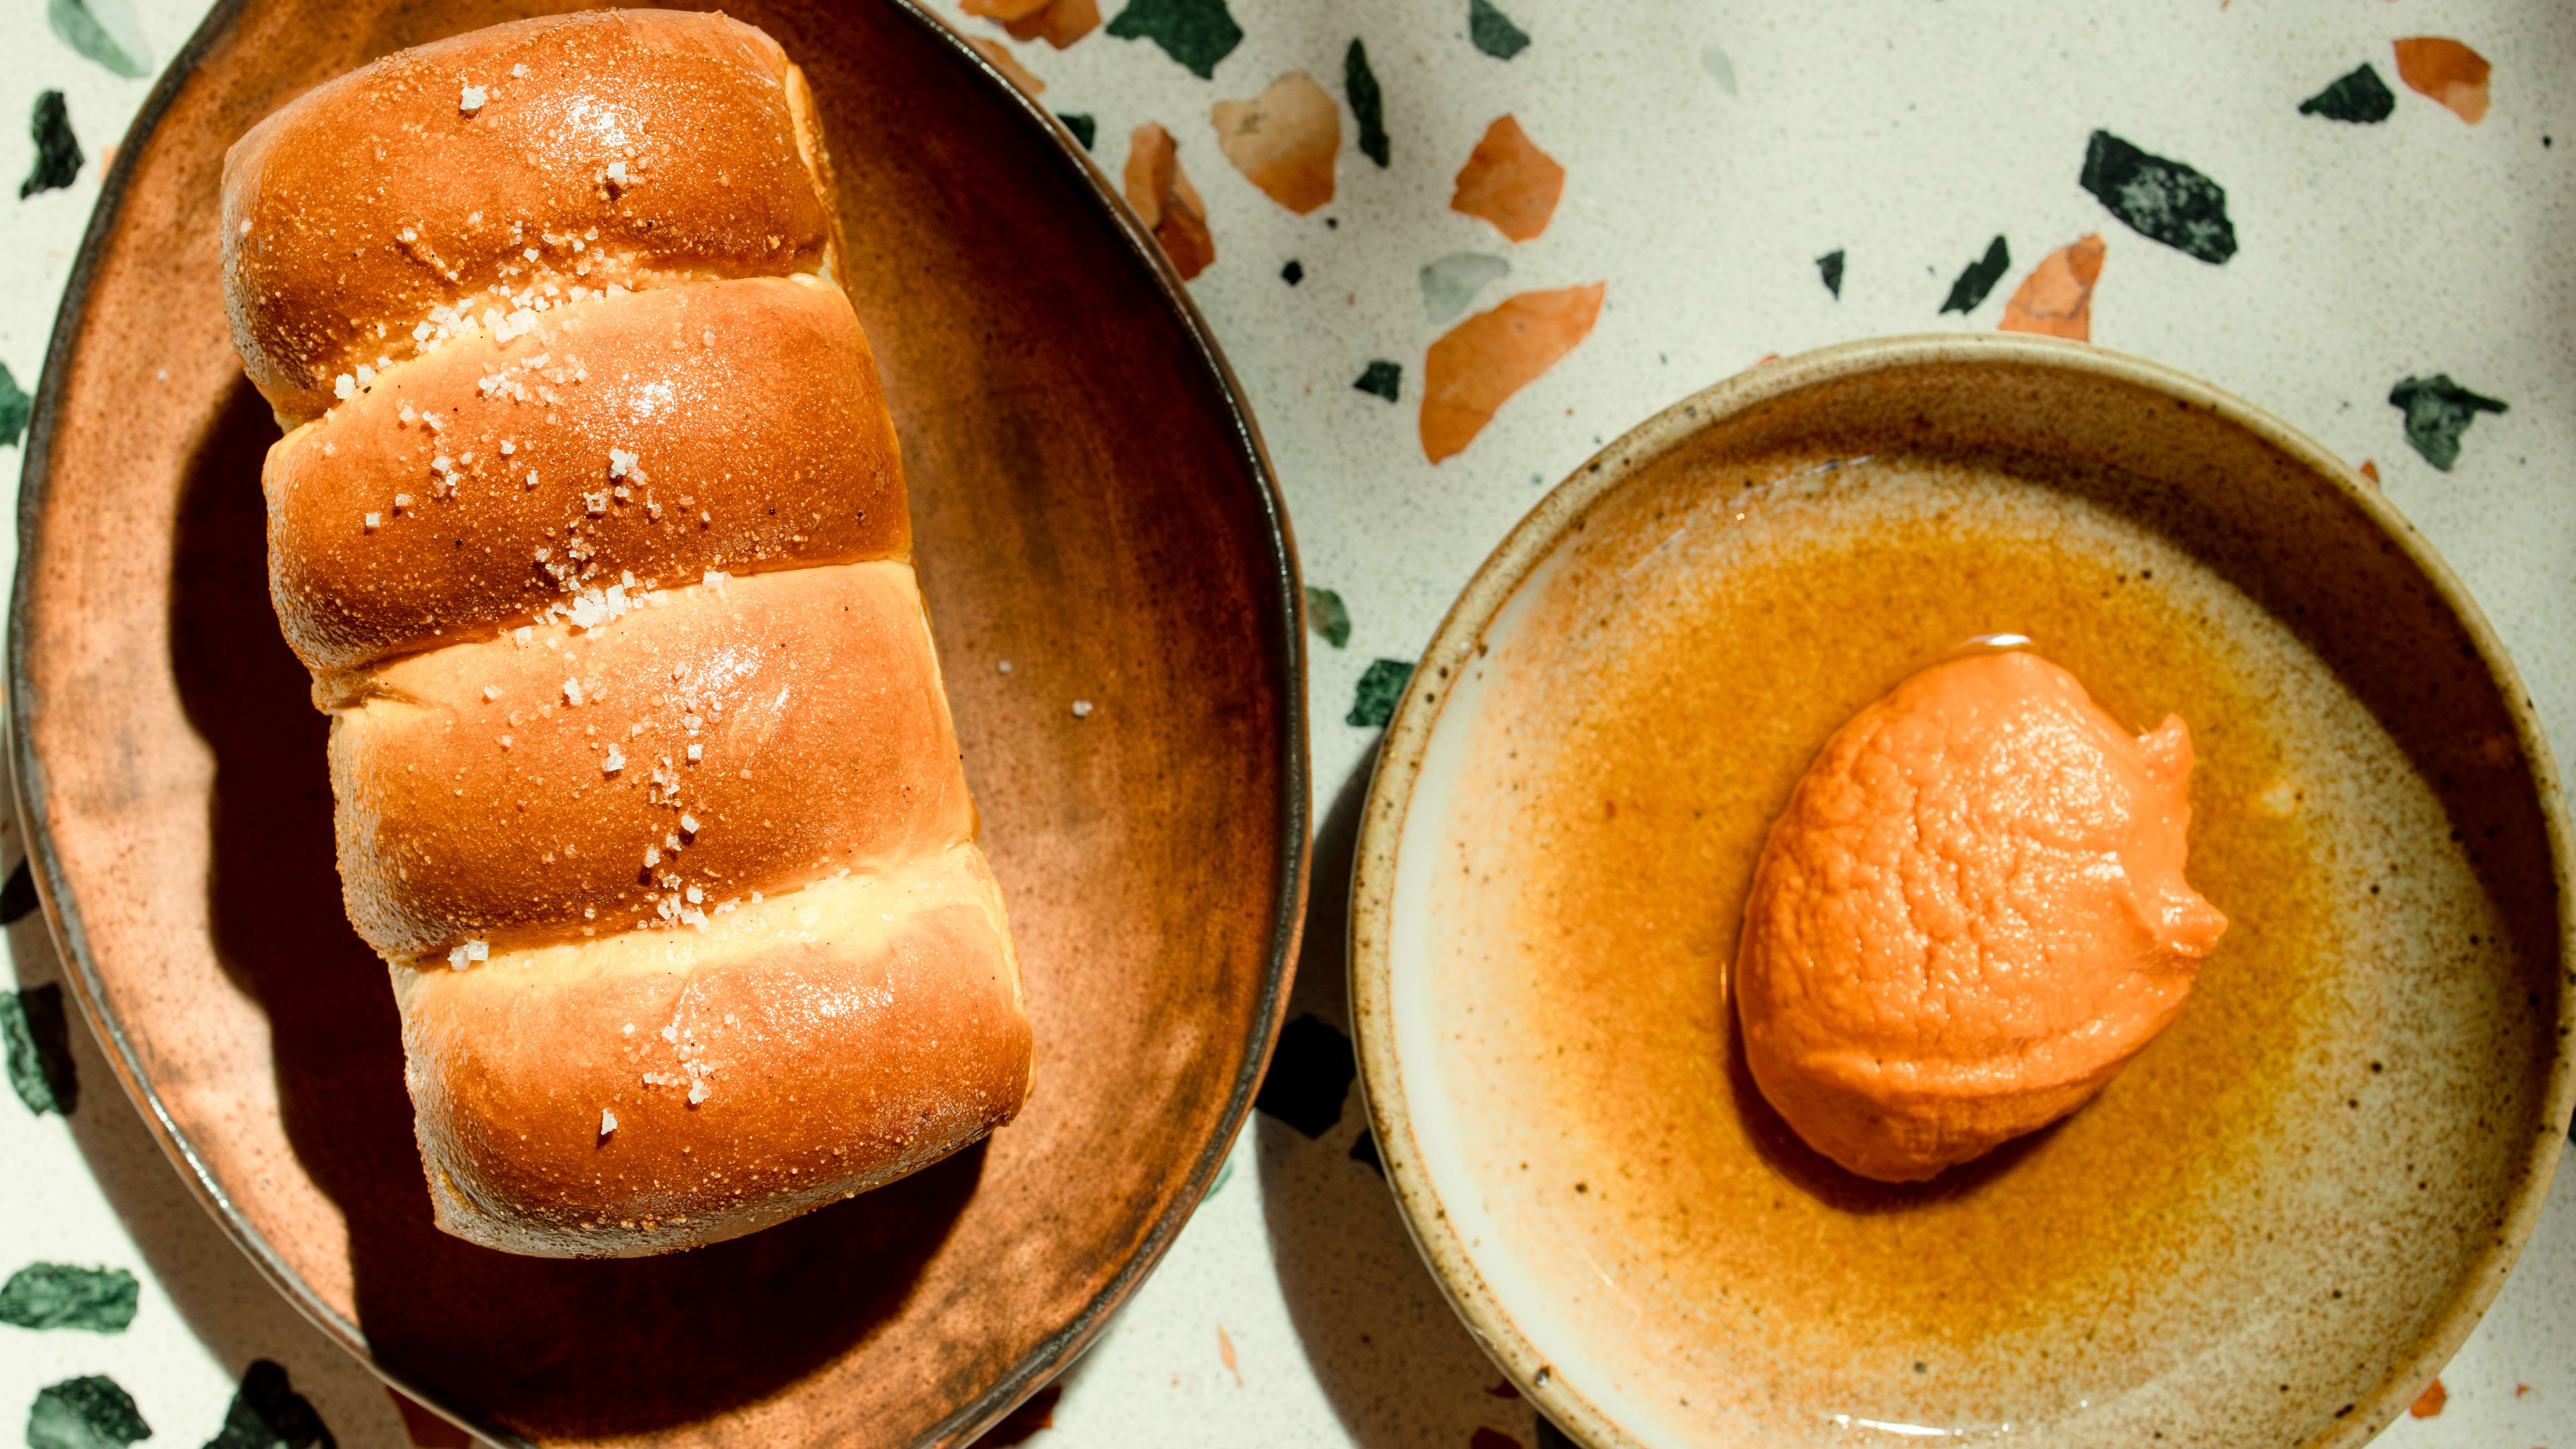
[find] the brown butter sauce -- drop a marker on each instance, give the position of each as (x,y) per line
(1659,714)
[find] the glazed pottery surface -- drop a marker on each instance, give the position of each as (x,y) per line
(2270,1229)
(1091,504)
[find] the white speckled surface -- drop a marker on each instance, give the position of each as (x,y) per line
(1906,134)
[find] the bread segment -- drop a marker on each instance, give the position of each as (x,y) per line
(517,793)
(640,147)
(737,426)
(798,1050)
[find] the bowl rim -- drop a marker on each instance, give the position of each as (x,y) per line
(1453,1263)
(1286,648)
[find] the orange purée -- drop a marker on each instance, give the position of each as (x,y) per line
(1971,914)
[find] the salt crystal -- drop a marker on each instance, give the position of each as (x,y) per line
(1082,709)
(607,1119)
(689,824)
(491,692)
(1005,666)
(697,1091)
(344,386)
(695,751)
(519,71)
(614,763)
(471,99)
(617,173)
(572,691)
(375,520)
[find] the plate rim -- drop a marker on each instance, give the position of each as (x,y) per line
(1535,538)
(1286,646)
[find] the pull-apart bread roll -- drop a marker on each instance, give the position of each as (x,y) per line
(590,524)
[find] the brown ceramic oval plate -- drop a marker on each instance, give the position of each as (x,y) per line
(1091,504)
(2285,1213)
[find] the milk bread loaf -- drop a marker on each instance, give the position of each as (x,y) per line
(589,522)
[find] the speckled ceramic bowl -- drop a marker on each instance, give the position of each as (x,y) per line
(1090,503)
(2271,1229)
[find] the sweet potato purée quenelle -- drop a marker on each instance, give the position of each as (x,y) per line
(1971,914)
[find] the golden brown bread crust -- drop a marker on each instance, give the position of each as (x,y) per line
(819,716)
(810,475)
(801,1050)
(644,147)
(518,667)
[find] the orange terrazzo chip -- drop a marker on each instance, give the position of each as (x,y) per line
(1477,365)
(2428,1404)
(1166,202)
(1510,182)
(1059,23)
(1003,10)
(1284,140)
(2056,299)
(1007,63)
(2448,72)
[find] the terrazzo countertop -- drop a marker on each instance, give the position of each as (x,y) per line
(1451,249)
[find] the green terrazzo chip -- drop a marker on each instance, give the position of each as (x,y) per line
(85,1413)
(1493,32)
(267,1413)
(15,407)
(1830,267)
(106,31)
(2159,199)
(1973,284)
(1453,281)
(1384,378)
(58,152)
(1084,128)
(1373,703)
(39,1049)
(1197,33)
(1326,615)
(2437,411)
(2361,98)
(56,1295)
(1310,1076)
(1368,103)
